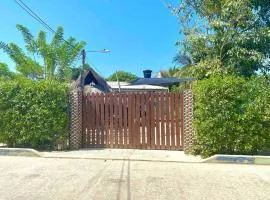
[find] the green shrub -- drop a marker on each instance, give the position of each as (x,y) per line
(231,115)
(33,113)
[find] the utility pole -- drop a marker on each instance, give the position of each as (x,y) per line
(82,68)
(118,81)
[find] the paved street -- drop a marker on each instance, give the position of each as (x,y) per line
(45,178)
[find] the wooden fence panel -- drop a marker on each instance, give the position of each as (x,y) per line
(133,120)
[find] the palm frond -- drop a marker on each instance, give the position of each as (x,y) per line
(5,48)
(30,43)
(182,59)
(58,37)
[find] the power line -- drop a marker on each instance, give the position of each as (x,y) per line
(93,66)
(34,15)
(78,59)
(39,19)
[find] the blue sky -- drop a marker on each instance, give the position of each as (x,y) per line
(141,34)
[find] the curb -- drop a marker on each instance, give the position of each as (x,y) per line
(219,158)
(122,159)
(238,159)
(19,152)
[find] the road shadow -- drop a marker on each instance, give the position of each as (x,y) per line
(121,182)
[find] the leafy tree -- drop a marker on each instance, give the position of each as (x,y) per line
(76,71)
(122,76)
(232,37)
(4,71)
(42,59)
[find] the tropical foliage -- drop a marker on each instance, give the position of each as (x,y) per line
(33,113)
(44,60)
(223,37)
(231,115)
(4,71)
(122,76)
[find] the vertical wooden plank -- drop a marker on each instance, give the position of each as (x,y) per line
(141,120)
(93,117)
(162,115)
(84,132)
(114,100)
(91,109)
(108,120)
(152,111)
(95,120)
(93,129)
(167,121)
(134,127)
(125,119)
(105,128)
(157,120)
(143,123)
(120,110)
(116,114)
(89,119)
(98,119)
(182,120)
(132,109)
(173,120)
(111,100)
(148,120)
(138,121)
(177,112)
(129,119)
(102,121)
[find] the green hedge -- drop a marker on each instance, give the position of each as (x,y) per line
(231,116)
(33,113)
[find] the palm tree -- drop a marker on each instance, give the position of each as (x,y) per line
(170,72)
(186,69)
(52,60)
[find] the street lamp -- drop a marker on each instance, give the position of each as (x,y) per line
(100,51)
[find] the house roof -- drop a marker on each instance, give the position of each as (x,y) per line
(160,81)
(113,84)
(140,88)
(90,77)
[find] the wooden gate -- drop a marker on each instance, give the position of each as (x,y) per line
(133,120)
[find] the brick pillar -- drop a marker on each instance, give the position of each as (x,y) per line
(75,119)
(188,115)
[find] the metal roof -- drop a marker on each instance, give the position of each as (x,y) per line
(113,84)
(160,81)
(140,87)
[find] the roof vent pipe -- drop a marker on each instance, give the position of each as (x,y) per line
(147,73)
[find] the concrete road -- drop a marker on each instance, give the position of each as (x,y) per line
(56,179)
